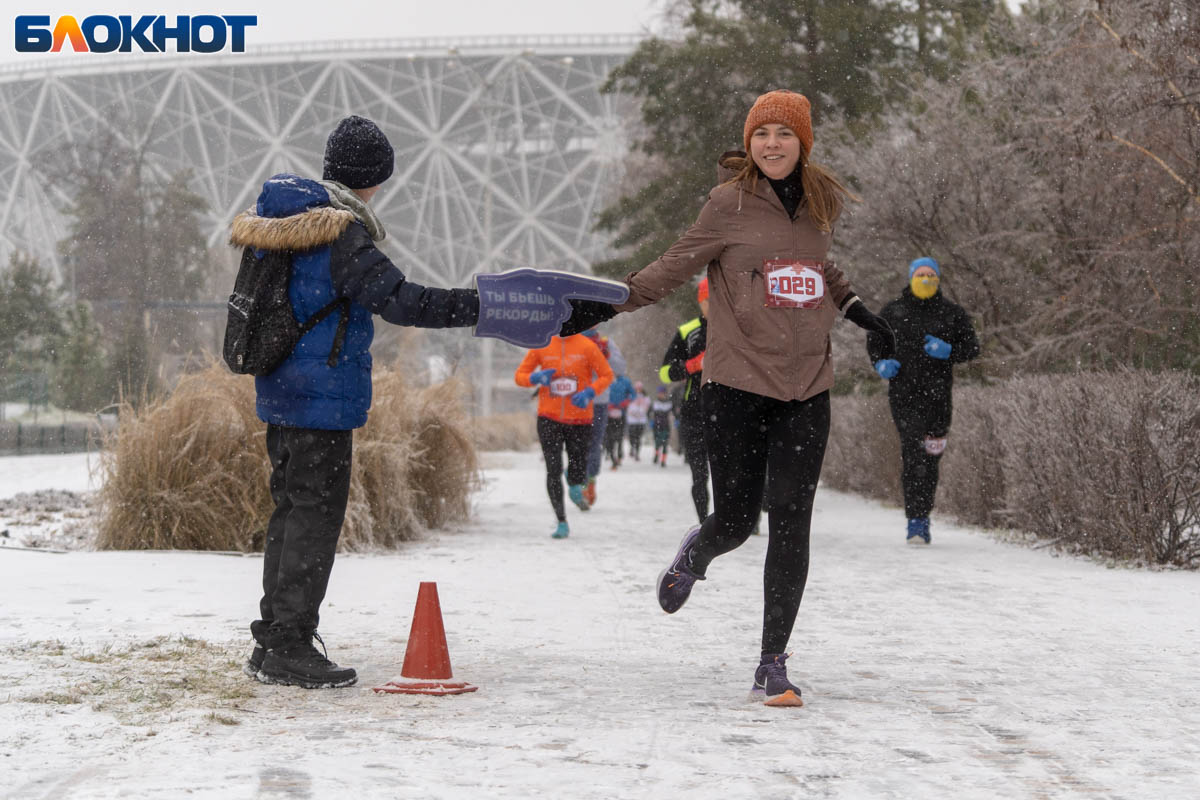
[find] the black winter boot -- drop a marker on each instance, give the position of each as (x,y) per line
(302,664)
(255,661)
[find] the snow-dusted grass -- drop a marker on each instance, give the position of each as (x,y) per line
(971,669)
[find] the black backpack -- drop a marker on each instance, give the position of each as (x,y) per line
(262,331)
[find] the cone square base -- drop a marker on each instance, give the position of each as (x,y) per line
(426,687)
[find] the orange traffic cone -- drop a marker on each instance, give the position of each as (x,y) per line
(427,660)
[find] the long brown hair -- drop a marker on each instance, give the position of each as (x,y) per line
(823,191)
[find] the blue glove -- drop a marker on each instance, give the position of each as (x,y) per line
(887,368)
(936,348)
(584,396)
(527,307)
(542,377)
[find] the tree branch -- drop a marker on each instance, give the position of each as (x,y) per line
(1166,167)
(1191,107)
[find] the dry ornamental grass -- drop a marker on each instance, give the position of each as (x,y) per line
(189,471)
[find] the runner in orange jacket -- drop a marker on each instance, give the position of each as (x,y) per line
(569,373)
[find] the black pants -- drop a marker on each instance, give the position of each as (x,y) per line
(919,467)
(310,484)
(635,438)
(577,439)
(695,452)
(614,439)
(747,434)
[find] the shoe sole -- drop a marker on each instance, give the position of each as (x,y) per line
(917,540)
(250,670)
(288,679)
(788,699)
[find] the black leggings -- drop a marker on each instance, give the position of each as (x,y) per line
(635,438)
(695,451)
(614,439)
(553,435)
(747,434)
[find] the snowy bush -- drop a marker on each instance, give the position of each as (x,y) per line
(189,470)
(1100,463)
(972,475)
(1108,463)
(863,454)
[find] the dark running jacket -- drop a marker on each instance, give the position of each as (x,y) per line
(689,341)
(922,379)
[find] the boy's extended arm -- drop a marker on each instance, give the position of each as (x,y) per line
(361,272)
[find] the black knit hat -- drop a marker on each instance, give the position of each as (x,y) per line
(358,155)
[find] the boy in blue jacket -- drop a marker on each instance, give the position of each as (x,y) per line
(312,408)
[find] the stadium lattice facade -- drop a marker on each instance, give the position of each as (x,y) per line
(505,147)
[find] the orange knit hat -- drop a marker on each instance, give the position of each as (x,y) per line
(784,108)
(702,291)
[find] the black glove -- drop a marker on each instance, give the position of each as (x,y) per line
(586,314)
(860,315)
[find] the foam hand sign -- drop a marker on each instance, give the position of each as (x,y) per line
(526,307)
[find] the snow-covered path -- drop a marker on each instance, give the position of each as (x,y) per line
(972,669)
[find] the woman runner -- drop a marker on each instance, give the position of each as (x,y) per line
(764,237)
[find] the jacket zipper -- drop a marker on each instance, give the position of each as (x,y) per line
(562,363)
(795,329)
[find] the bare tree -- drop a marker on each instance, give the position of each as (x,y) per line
(1058,180)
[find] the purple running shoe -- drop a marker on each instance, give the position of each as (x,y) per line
(675,582)
(771,683)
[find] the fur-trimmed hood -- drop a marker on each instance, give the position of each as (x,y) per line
(292,213)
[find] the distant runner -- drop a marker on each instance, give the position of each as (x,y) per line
(569,371)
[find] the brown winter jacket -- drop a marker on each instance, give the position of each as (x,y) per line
(782,353)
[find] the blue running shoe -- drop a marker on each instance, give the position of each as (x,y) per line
(918,530)
(675,582)
(771,683)
(561,532)
(576,495)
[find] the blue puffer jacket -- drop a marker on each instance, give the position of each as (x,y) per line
(620,391)
(334,257)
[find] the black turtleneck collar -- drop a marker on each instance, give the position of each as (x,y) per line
(790,189)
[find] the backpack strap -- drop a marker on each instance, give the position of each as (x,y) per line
(339,338)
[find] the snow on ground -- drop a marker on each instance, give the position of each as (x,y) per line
(972,669)
(72,472)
